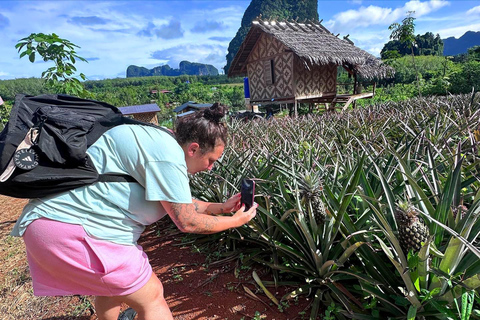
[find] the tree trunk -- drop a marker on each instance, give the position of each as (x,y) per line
(416,73)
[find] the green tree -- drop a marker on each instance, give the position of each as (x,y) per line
(5,109)
(473,53)
(425,45)
(389,54)
(31,86)
(51,47)
(234,97)
(405,33)
(428,45)
(466,78)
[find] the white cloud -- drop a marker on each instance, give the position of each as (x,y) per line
(108,31)
(424,8)
(362,17)
(383,16)
(368,25)
(474,11)
(114,43)
(457,32)
(371,42)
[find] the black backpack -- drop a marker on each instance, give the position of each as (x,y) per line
(54,132)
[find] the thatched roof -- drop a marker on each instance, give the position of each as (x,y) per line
(314,44)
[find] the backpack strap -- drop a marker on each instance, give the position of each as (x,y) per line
(115,178)
(126,178)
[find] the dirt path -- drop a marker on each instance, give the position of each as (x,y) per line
(195,288)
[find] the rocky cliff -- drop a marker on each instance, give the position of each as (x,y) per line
(185,67)
(453,46)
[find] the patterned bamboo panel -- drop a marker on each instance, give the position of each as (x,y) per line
(315,81)
(268,48)
(150,117)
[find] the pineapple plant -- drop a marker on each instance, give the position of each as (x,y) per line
(310,187)
(411,229)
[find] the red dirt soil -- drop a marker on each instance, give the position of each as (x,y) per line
(194,289)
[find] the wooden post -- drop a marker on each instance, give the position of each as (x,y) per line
(354,104)
(296,108)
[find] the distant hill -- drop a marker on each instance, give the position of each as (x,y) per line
(271,9)
(453,46)
(185,67)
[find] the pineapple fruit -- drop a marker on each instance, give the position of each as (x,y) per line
(310,188)
(411,229)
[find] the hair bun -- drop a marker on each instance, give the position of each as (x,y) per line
(215,113)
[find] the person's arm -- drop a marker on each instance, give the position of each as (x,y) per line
(210,208)
(188,220)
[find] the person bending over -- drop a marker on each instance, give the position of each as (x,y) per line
(84,241)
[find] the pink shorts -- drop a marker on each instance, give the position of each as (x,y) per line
(64,260)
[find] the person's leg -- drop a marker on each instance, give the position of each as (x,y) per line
(107,308)
(148,301)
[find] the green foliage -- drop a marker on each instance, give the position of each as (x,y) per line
(426,44)
(437,76)
(135,91)
(390,93)
(474,53)
(389,53)
(466,78)
(31,86)
(423,151)
(404,32)
(428,67)
(62,53)
(158,82)
(9,88)
(5,109)
(201,89)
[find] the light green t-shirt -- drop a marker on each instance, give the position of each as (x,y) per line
(120,211)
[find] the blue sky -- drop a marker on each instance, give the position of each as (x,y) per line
(115,34)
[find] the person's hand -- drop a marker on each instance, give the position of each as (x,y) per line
(245,216)
(232,204)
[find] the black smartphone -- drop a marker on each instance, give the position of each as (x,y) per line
(248,192)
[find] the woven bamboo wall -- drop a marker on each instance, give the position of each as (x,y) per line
(268,48)
(149,117)
(316,81)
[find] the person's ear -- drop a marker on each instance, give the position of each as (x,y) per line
(193,148)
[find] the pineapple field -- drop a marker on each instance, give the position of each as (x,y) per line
(372,213)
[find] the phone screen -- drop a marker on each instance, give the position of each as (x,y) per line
(248,192)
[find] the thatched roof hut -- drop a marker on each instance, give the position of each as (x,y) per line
(300,52)
(314,44)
